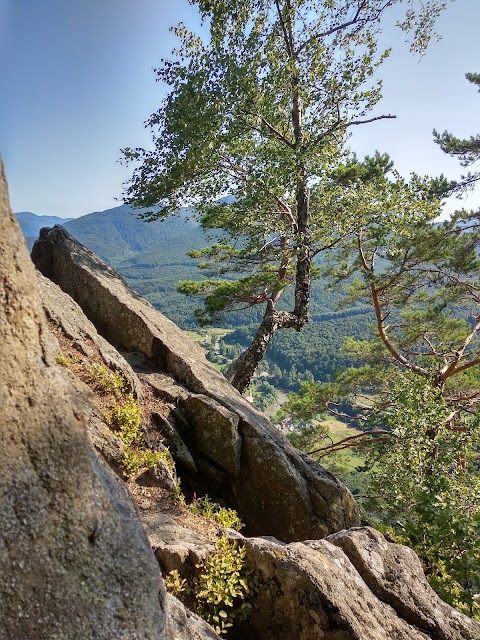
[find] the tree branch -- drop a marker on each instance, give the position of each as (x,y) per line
(355,122)
(386,340)
(243,174)
(340,27)
(452,369)
(341,443)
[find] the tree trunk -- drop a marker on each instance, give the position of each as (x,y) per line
(303,279)
(240,372)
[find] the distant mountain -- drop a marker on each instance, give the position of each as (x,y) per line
(117,234)
(30,223)
(152,258)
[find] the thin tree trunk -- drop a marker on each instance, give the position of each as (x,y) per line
(303,279)
(240,372)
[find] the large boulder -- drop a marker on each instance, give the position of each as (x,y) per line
(322,589)
(65,313)
(74,560)
(175,547)
(182,624)
(394,574)
(353,585)
(275,489)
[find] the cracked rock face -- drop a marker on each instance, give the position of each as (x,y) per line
(71,547)
(394,574)
(353,585)
(275,489)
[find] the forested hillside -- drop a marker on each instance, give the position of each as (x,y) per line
(31,223)
(152,257)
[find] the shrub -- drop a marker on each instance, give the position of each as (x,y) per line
(66,360)
(226,517)
(176,585)
(223,586)
(126,419)
(136,459)
(108,381)
(221,592)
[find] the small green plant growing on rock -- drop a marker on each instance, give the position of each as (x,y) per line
(222,590)
(126,419)
(108,381)
(223,586)
(176,585)
(226,517)
(66,360)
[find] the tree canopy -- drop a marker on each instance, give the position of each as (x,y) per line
(467,150)
(416,387)
(260,112)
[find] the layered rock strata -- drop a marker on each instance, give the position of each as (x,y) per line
(353,585)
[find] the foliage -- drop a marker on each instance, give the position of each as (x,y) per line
(135,459)
(264,394)
(261,110)
(223,587)
(417,389)
(427,478)
(422,282)
(126,419)
(106,380)
(176,585)
(226,517)
(66,360)
(466,150)
(221,592)
(308,437)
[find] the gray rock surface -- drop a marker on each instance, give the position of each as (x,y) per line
(276,490)
(394,574)
(215,431)
(353,585)
(314,590)
(175,547)
(184,624)
(66,313)
(104,440)
(74,560)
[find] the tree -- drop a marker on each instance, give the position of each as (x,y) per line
(417,388)
(422,280)
(261,112)
(467,150)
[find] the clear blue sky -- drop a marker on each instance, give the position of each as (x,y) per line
(78,85)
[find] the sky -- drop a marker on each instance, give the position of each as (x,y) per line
(78,84)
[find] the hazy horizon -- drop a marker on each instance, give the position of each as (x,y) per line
(80,85)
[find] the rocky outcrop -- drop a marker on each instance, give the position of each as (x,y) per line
(71,547)
(65,313)
(74,560)
(314,589)
(175,547)
(274,488)
(353,585)
(394,575)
